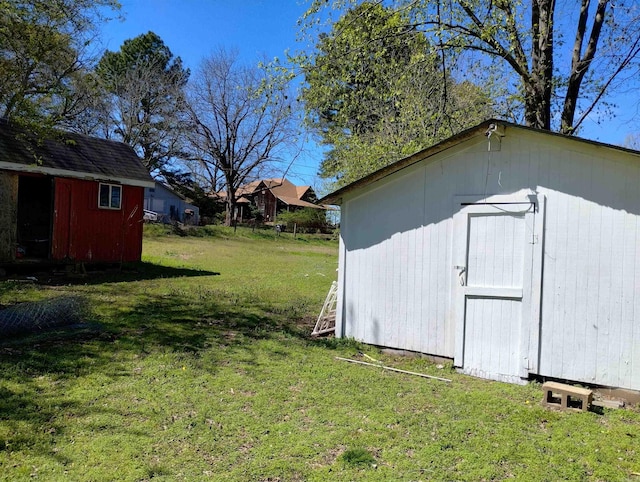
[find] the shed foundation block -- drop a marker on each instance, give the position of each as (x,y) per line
(566,397)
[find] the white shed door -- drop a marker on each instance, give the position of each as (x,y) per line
(493,293)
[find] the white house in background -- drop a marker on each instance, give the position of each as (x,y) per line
(513,251)
(170,205)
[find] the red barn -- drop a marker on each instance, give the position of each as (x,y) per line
(69,197)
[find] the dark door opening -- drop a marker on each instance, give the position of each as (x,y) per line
(35,208)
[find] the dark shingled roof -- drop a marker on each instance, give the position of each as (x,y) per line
(67,151)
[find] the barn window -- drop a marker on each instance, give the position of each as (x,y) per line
(110,196)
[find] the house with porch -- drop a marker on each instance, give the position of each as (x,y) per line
(271,197)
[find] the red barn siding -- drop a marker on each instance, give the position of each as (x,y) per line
(85,233)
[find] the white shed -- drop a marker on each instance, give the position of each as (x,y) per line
(511,250)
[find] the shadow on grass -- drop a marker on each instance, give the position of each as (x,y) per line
(129,272)
(190,325)
(199,323)
(35,407)
(100,273)
(167,321)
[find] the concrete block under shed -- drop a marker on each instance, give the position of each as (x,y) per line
(566,397)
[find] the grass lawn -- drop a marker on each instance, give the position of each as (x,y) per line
(197,365)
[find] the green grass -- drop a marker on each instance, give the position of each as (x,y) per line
(358,457)
(197,365)
(225,232)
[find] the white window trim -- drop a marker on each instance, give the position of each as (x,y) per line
(111,186)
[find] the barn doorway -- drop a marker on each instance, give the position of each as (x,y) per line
(498,266)
(35,210)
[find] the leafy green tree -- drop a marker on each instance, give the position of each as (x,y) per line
(375,93)
(143,99)
(43,53)
(556,60)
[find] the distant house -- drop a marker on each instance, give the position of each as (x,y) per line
(170,205)
(513,251)
(271,197)
(69,198)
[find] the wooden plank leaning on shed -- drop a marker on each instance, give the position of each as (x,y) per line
(327,320)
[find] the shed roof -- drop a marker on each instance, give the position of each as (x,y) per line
(68,154)
(480,129)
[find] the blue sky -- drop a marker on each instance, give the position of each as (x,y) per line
(193,29)
(261,29)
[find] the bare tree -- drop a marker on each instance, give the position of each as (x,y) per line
(243,120)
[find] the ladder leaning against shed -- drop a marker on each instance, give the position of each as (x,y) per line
(327,320)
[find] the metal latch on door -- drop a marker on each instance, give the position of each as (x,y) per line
(461,271)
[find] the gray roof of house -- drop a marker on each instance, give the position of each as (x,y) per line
(69,154)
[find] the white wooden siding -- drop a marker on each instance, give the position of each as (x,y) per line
(494,325)
(387,253)
(490,289)
(592,273)
(398,252)
(500,261)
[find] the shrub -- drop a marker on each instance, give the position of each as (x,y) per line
(308,220)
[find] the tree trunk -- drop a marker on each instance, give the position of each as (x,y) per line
(231,197)
(536,114)
(231,205)
(580,62)
(538,87)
